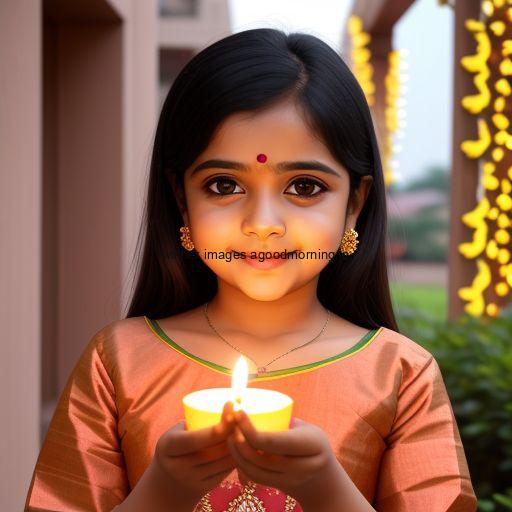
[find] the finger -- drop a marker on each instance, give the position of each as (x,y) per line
(181,442)
(207,455)
(213,480)
(296,422)
(294,442)
(252,471)
(227,411)
(296,468)
(213,469)
(227,419)
(261,459)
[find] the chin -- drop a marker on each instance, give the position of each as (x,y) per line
(263,290)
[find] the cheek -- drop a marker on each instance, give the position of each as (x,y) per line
(318,229)
(214,228)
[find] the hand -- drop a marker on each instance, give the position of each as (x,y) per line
(193,462)
(299,461)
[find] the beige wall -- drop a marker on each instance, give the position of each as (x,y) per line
(77,115)
(20,234)
(89,186)
(79,99)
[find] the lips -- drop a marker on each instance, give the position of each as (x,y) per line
(267,251)
(265,264)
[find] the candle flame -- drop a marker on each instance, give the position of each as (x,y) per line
(239,382)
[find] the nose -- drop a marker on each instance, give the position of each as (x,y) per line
(263,217)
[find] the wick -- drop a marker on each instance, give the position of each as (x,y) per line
(237,403)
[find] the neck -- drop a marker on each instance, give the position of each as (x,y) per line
(236,315)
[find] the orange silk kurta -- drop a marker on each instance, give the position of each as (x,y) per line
(383,405)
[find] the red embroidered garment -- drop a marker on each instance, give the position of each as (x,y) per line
(382,404)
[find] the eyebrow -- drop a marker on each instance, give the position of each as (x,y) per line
(312,165)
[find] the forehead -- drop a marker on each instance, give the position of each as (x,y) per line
(279,131)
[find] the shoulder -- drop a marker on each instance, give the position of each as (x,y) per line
(416,377)
(118,330)
(409,356)
(119,337)
(406,347)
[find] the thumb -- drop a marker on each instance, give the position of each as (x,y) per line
(295,422)
(181,425)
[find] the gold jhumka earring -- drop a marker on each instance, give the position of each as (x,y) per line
(186,241)
(349,242)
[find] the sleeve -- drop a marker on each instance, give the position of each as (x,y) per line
(424,466)
(81,466)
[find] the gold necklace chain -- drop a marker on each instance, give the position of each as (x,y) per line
(263,369)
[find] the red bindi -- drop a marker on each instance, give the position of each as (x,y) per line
(262,158)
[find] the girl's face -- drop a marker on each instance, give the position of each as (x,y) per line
(239,204)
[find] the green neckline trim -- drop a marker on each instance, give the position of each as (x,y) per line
(362,343)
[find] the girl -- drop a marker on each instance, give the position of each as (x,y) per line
(265,234)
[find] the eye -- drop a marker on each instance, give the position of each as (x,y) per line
(225,189)
(305,185)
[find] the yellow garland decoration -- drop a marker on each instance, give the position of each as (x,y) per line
(474,293)
(363,71)
(494,247)
(476,148)
(392,85)
(475,220)
(361,57)
(478,64)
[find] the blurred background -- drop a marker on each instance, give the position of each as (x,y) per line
(81,87)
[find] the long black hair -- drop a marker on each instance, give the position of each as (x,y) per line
(251,71)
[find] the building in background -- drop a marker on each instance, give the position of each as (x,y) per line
(185,27)
(480,267)
(82,85)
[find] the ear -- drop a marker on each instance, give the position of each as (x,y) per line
(356,204)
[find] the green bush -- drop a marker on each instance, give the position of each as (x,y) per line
(426,235)
(475,358)
(431,298)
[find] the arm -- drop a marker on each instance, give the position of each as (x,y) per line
(151,493)
(340,497)
(424,465)
(81,464)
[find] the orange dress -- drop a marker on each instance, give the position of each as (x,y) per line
(382,403)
